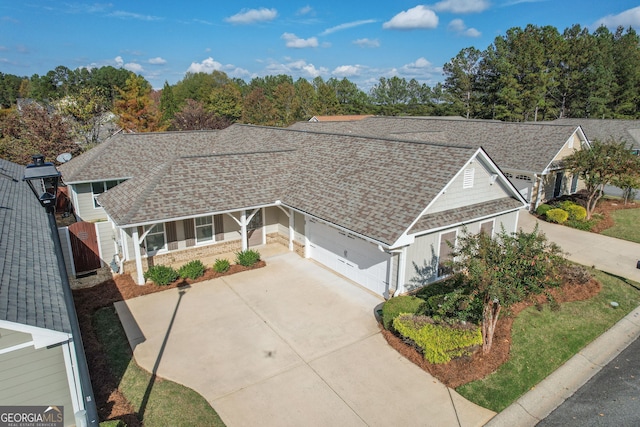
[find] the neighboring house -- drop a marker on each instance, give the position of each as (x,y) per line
(38,362)
(378,211)
(605,130)
(530,154)
(339,118)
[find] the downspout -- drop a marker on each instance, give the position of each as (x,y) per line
(83,369)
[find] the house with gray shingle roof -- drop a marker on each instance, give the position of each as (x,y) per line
(530,154)
(38,361)
(374,209)
(619,130)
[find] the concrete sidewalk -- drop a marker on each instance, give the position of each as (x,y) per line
(614,256)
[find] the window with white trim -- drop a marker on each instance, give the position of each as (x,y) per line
(97,188)
(468,178)
(204,229)
(156,239)
(487,228)
(447,243)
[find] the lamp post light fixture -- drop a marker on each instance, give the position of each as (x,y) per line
(43,179)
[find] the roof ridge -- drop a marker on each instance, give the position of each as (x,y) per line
(153,177)
(238,153)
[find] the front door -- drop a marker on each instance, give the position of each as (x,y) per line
(254,230)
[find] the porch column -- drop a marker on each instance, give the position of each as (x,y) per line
(307,249)
(138,255)
(243,230)
(292,234)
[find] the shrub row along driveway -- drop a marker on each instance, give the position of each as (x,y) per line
(287,345)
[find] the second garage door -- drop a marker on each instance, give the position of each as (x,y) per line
(350,256)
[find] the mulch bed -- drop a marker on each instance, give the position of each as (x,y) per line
(477,366)
(110,402)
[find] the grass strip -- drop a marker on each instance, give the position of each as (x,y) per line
(626,225)
(161,403)
(542,340)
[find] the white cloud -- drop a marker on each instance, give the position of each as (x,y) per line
(628,18)
(132,66)
(367,42)
(458,26)
(347,25)
(307,10)
(347,70)
(157,61)
(419,17)
(296,42)
(119,61)
(206,66)
(251,16)
(129,15)
(209,65)
(296,68)
(462,6)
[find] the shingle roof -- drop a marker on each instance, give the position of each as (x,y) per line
(464,215)
(519,146)
(30,280)
(604,129)
(372,186)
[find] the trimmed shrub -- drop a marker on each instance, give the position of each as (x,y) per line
(397,305)
(576,212)
(221,265)
(454,306)
(161,275)
(247,258)
(439,342)
(192,270)
(543,209)
(557,215)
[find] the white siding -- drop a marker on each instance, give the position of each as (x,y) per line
(422,255)
(484,188)
(84,208)
(106,236)
(36,378)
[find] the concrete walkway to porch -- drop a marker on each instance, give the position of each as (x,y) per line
(290,344)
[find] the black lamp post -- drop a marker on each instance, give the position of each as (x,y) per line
(43,179)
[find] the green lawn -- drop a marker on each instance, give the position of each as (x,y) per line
(544,340)
(626,226)
(158,402)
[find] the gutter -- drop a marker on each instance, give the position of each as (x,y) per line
(83,369)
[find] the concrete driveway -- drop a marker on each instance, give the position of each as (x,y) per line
(290,344)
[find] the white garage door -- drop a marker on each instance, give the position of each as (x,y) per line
(351,256)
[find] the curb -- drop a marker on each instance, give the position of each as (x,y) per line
(551,392)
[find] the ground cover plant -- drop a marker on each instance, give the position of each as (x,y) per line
(543,338)
(248,257)
(192,270)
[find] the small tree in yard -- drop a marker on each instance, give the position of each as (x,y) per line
(505,270)
(601,165)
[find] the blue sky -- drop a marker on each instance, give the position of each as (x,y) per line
(362,41)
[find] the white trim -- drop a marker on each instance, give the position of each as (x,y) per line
(583,141)
(195,231)
(73,377)
(41,337)
(95,227)
(138,255)
(17,347)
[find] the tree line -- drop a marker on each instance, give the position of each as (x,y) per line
(528,74)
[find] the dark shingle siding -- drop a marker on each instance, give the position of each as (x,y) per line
(30,280)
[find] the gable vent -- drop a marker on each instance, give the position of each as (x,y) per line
(468,178)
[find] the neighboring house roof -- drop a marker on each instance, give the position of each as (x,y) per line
(605,129)
(342,118)
(373,186)
(518,146)
(30,279)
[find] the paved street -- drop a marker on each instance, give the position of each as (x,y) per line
(610,398)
